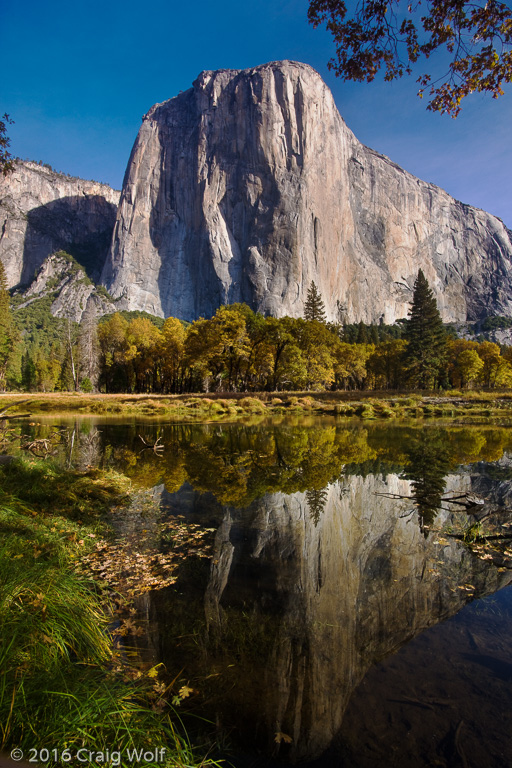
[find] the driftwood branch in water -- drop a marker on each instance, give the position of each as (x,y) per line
(157,446)
(42,446)
(471,500)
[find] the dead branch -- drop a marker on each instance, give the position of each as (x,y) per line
(42,446)
(157,446)
(471,500)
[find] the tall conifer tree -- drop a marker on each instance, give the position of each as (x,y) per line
(362,333)
(426,338)
(314,308)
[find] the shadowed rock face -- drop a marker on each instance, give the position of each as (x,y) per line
(42,211)
(249,186)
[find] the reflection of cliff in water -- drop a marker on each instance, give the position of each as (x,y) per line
(299,605)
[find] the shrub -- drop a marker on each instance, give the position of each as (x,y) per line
(251,404)
(193,402)
(365,411)
(86,385)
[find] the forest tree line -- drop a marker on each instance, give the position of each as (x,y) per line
(239,350)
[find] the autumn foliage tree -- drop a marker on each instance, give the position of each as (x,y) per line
(394,35)
(238,350)
(115,354)
(172,350)
(465,362)
(6,328)
(386,364)
(495,369)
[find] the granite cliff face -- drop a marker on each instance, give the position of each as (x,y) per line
(249,186)
(42,211)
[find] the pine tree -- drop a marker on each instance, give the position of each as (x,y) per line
(6,159)
(425,354)
(28,373)
(427,466)
(374,334)
(362,333)
(316,499)
(314,308)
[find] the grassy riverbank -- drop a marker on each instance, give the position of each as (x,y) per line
(470,405)
(66,685)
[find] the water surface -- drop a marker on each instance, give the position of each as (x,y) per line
(339,620)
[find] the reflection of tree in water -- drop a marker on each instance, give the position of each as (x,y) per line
(429,461)
(378,466)
(87,448)
(316,499)
(241,463)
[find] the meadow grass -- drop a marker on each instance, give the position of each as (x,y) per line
(230,406)
(64,685)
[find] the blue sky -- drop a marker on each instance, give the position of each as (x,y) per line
(78,76)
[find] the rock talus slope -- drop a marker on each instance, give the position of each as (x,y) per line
(74,295)
(249,185)
(42,211)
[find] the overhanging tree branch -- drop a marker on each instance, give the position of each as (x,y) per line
(395,34)
(6,159)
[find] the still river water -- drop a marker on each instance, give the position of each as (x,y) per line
(338,621)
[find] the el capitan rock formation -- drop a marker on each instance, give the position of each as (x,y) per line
(249,185)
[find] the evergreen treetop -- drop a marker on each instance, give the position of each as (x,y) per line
(362,334)
(426,349)
(314,308)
